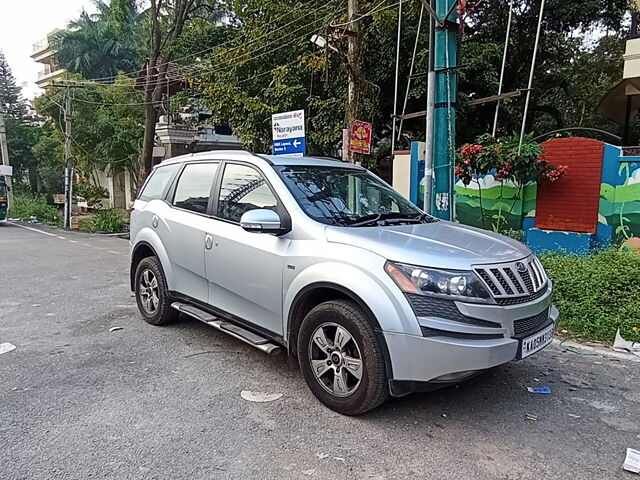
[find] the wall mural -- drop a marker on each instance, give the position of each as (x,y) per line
(619,209)
(620,196)
(496,199)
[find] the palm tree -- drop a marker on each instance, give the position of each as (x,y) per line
(102,44)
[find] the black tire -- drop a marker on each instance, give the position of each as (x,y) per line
(372,389)
(163,313)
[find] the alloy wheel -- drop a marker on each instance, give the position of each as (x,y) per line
(149,292)
(335,359)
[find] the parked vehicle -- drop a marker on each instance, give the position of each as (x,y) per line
(327,261)
(4,200)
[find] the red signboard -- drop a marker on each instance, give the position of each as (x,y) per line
(360,141)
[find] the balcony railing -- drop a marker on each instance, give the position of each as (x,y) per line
(40,45)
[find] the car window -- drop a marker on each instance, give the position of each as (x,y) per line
(344,196)
(155,186)
(194,187)
(3,190)
(243,189)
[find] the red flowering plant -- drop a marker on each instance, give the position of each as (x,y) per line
(506,160)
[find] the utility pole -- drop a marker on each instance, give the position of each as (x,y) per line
(444,125)
(5,156)
(354,67)
(68,171)
(428,154)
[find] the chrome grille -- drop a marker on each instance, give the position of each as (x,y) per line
(515,279)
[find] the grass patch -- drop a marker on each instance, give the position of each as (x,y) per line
(25,207)
(109,221)
(597,293)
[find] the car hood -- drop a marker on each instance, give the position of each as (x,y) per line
(439,244)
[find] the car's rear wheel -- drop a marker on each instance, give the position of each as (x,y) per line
(152,296)
(341,358)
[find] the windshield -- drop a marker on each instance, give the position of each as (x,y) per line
(3,190)
(347,196)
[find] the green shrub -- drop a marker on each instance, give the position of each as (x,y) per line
(513,233)
(108,220)
(597,293)
(26,206)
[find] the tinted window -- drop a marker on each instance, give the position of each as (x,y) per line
(243,189)
(194,187)
(158,181)
(344,196)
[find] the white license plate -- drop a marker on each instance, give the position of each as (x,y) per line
(532,344)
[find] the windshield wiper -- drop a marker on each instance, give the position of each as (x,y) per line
(372,220)
(367,220)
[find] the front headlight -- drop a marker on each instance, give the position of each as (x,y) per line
(461,285)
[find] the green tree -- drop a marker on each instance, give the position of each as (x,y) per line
(166,23)
(571,73)
(107,127)
(102,44)
(11,101)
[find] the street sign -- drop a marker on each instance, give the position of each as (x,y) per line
(6,170)
(288,133)
(360,137)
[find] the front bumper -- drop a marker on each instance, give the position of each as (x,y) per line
(484,336)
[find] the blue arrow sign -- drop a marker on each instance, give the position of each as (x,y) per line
(290,146)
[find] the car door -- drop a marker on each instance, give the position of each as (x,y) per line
(183,228)
(245,269)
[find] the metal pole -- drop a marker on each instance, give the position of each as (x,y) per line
(444,117)
(5,158)
(413,61)
(395,91)
(428,154)
(504,62)
(68,171)
(533,64)
(354,67)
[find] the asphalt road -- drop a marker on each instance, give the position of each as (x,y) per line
(78,401)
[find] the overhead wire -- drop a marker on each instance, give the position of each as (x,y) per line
(190,70)
(267,33)
(184,77)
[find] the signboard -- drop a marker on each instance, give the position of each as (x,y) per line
(6,170)
(360,137)
(288,133)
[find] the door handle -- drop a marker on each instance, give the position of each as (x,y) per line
(208,242)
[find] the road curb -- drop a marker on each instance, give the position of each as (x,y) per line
(608,352)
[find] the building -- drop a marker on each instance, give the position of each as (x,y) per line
(44,53)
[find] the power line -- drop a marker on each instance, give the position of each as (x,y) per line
(169,77)
(270,32)
(375,9)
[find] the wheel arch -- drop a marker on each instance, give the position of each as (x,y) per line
(319,292)
(146,247)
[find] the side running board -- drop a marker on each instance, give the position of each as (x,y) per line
(231,329)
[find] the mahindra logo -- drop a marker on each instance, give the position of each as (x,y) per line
(521,267)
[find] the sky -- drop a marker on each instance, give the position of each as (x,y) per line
(25,22)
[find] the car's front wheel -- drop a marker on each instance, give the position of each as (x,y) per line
(151,293)
(341,358)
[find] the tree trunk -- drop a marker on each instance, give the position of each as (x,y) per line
(33,178)
(146,158)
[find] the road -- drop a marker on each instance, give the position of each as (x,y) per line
(78,401)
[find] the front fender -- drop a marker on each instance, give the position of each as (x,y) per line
(378,292)
(149,237)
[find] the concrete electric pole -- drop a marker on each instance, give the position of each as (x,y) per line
(354,67)
(5,156)
(444,124)
(68,171)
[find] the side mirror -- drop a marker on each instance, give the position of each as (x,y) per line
(261,220)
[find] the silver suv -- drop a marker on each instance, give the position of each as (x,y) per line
(327,261)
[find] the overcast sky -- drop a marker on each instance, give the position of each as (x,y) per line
(25,22)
